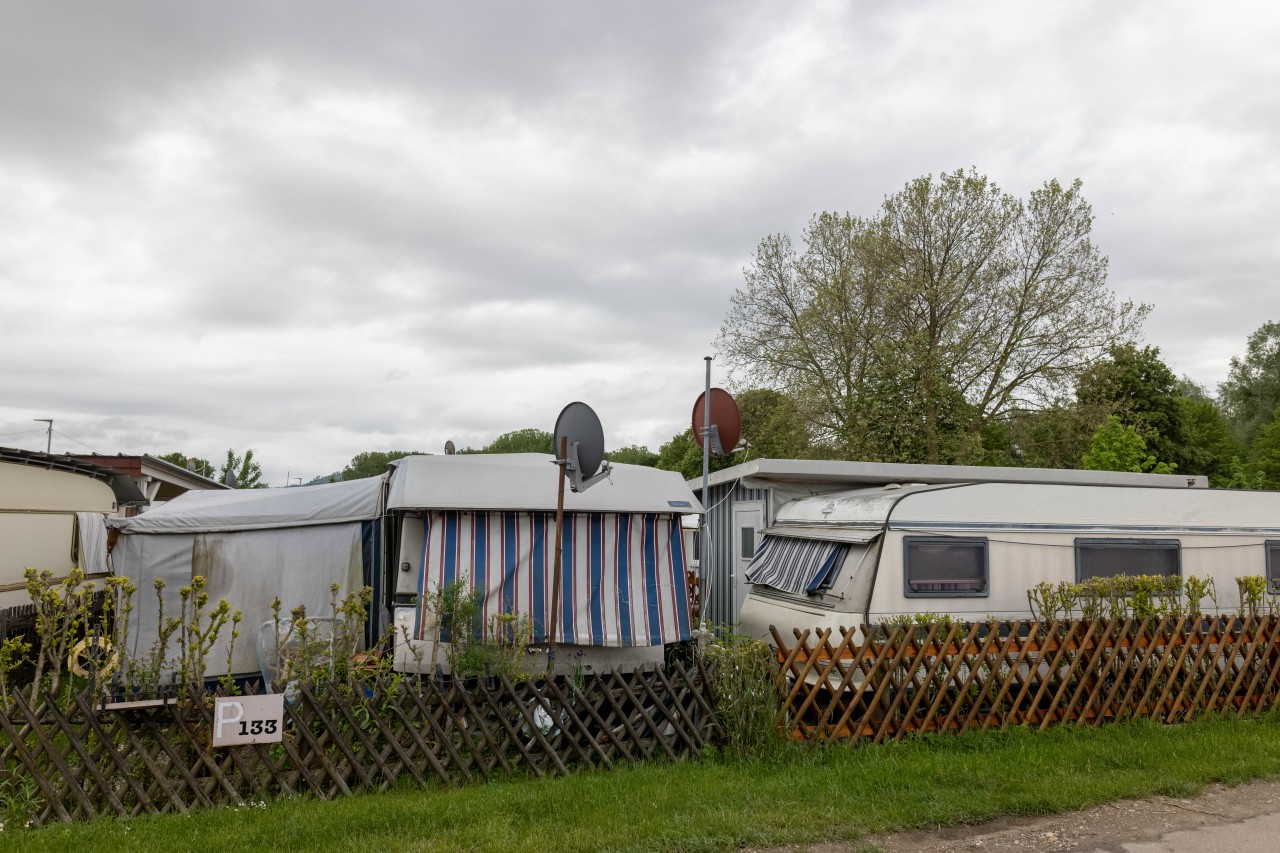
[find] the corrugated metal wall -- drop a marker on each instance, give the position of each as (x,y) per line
(717,565)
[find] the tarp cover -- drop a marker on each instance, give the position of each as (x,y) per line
(248,569)
(214,510)
(93,542)
(528,481)
(795,565)
(623,575)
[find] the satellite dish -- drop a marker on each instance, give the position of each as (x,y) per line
(579,431)
(449,448)
(726,422)
(229,478)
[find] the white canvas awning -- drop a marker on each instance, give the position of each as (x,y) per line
(825,532)
(214,511)
(528,482)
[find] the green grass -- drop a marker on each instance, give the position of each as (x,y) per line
(803,795)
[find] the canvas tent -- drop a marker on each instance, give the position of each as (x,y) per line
(491,521)
(251,546)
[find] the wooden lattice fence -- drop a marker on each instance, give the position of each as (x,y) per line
(880,684)
(88,762)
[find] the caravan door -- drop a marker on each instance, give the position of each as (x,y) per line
(748,521)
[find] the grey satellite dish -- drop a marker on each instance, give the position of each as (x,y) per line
(579,433)
(229,478)
(449,448)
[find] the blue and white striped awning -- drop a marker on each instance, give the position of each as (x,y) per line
(796,565)
(623,577)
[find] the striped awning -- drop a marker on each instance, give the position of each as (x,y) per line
(622,576)
(796,565)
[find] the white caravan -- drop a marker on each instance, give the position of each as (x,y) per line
(973,550)
(51,518)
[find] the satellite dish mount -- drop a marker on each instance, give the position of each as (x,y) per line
(579,444)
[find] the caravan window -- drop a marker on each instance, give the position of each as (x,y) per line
(938,566)
(1273,566)
(1105,558)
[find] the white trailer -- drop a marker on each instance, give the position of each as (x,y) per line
(972,550)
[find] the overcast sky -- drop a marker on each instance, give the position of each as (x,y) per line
(318,228)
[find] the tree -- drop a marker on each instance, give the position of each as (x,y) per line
(1209,445)
(633,455)
(1136,386)
(529,440)
(1116,446)
(374,463)
(248,473)
(203,467)
(1251,391)
(1265,455)
(953,293)
(683,455)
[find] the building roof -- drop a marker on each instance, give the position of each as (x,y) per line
(838,474)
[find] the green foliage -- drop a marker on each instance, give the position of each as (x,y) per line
(528,440)
(1251,392)
(1122,597)
(247,471)
(1264,468)
(916,625)
(633,455)
(1209,445)
(374,463)
(203,467)
(1118,447)
(742,673)
(900,336)
(1135,386)
(683,454)
(475,648)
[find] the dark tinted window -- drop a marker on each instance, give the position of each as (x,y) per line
(1105,558)
(941,566)
(1273,566)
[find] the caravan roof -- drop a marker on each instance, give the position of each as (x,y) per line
(528,482)
(210,510)
(1041,507)
(855,474)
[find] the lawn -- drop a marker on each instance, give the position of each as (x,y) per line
(803,794)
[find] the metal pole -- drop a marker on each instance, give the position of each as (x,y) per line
(48,445)
(555,582)
(703,551)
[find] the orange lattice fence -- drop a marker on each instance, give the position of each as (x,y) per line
(878,684)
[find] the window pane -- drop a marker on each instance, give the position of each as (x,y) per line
(1104,559)
(748,543)
(1273,566)
(946,566)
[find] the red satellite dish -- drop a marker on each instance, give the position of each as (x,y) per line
(726,422)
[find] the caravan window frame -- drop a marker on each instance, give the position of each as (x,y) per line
(982,541)
(1084,543)
(1271,550)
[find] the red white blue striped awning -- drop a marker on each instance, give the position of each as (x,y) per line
(622,575)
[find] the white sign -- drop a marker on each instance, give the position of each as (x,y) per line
(248,719)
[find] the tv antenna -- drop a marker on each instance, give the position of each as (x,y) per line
(579,444)
(717,427)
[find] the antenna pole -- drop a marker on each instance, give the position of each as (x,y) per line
(704,531)
(552,629)
(48,445)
